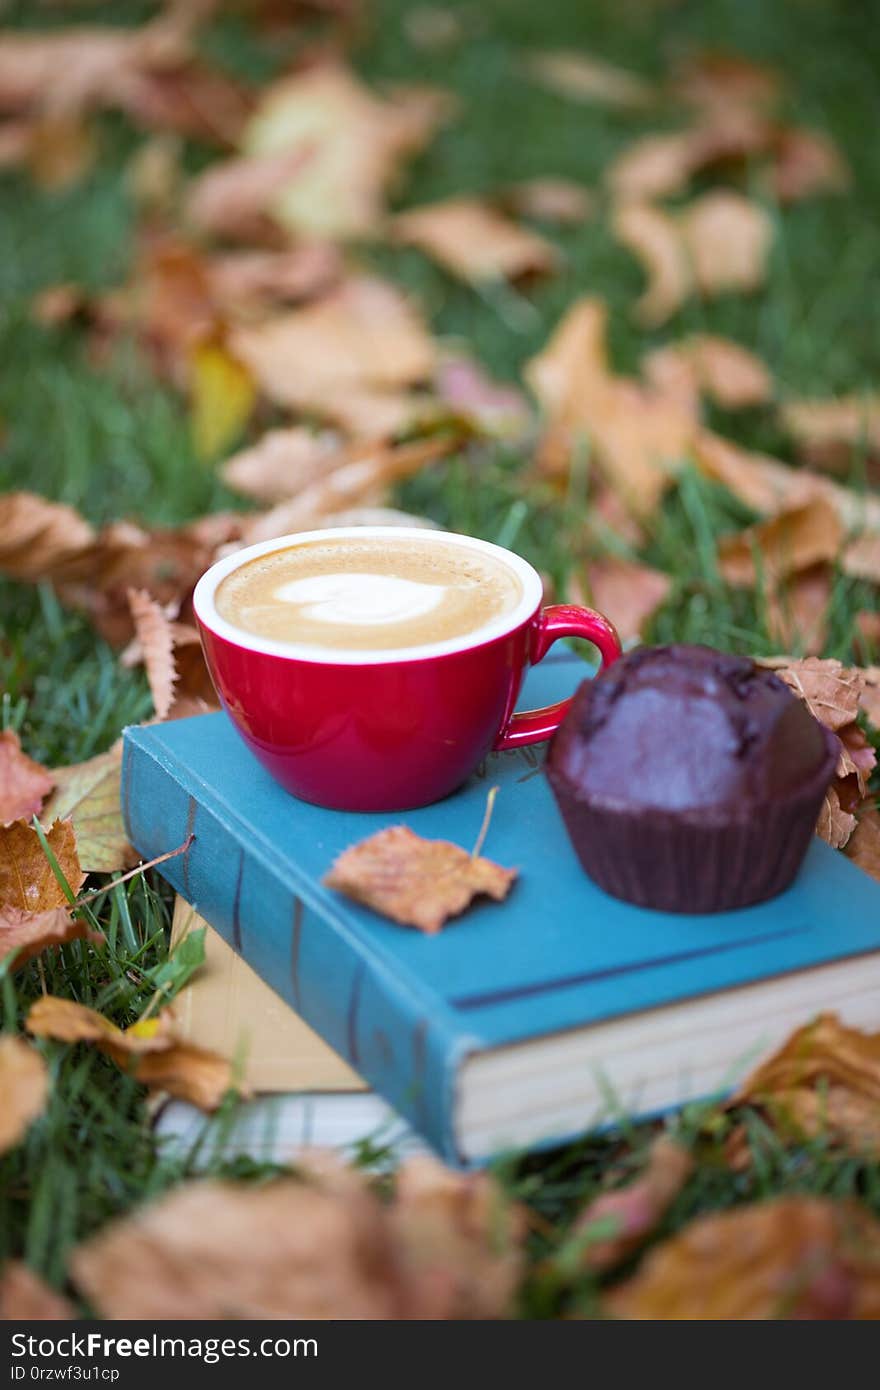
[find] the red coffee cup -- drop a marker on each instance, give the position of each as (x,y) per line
(380,730)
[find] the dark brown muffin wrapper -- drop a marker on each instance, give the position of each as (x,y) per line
(674,863)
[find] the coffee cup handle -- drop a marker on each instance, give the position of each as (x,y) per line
(559,620)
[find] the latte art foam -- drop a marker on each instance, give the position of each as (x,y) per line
(373,593)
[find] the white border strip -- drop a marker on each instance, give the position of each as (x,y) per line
(206,610)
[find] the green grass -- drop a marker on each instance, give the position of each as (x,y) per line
(115,442)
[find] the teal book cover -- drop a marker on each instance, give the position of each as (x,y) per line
(410,1011)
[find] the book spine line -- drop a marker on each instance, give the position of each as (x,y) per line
(348,997)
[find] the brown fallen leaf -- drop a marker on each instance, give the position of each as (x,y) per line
(727,239)
(706,364)
(857,757)
(350,142)
(861,558)
(283,462)
(24,784)
(792,1258)
(638,436)
(24,1085)
(149,1049)
(28,934)
(457,1241)
(633,1212)
(362,346)
(153,633)
(61,150)
(790,542)
(654,238)
(829,689)
(824,1080)
(630,594)
(713,80)
(353,485)
(663,165)
(863,847)
(806,164)
(25,1297)
(474,241)
(418,883)
(555,200)
(26,878)
(464,389)
(717,244)
(36,536)
(836,822)
(583,77)
(282,1249)
(797,610)
(867,638)
(769,486)
(249,284)
(89,795)
(869,699)
(233,198)
(829,434)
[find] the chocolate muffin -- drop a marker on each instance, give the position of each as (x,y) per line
(690,780)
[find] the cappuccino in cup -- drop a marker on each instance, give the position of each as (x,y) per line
(369,593)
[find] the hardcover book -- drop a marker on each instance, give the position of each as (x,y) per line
(522,1023)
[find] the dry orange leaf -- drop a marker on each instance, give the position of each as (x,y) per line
(639,436)
(351,357)
(351,144)
(23,783)
(861,558)
(24,1297)
(830,433)
(727,239)
(829,689)
(869,699)
(633,1212)
(836,822)
(149,1048)
(469,394)
(797,610)
(713,80)
(283,1249)
(474,241)
(706,364)
(320,1247)
(864,844)
(768,486)
(806,164)
(793,1257)
(561,201)
(355,484)
(824,1080)
(457,1240)
(89,794)
(283,462)
(37,536)
(628,593)
(152,629)
(715,245)
(233,198)
(24,1085)
(582,77)
(661,165)
(26,878)
(28,934)
(249,284)
(418,883)
(788,543)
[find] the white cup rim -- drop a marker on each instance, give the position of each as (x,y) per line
(205,606)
